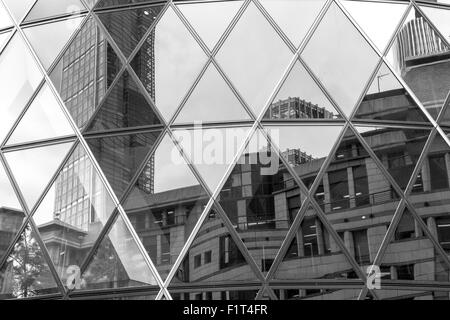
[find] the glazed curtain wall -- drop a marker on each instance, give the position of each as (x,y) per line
(204,150)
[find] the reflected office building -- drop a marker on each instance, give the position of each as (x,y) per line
(347,169)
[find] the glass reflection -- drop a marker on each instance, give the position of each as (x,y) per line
(165,205)
(4,38)
(212,100)
(168,63)
(44,119)
(387,99)
(20,78)
(421,57)
(19,8)
(25,273)
(254,46)
(124,107)
(213,258)
(49,39)
(399,294)
(305,148)
(345,72)
(300,98)
(34,168)
(73,213)
(117,263)
(5,20)
(211,19)
(225,295)
(120,156)
(85,71)
(113,3)
(50,8)
(261,199)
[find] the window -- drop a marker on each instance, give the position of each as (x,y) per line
(229,253)
(443,229)
(396,160)
(362,253)
(197,261)
(405,228)
(165,248)
(438,172)
(208,256)
(405,272)
(266,264)
(310,237)
(339,194)
(361,184)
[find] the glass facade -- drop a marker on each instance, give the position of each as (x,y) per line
(222,150)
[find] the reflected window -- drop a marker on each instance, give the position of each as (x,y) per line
(362,254)
(339,192)
(361,185)
(405,228)
(438,172)
(229,253)
(405,272)
(443,229)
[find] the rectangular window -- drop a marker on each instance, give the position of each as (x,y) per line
(362,254)
(405,228)
(405,272)
(229,253)
(361,184)
(208,257)
(165,248)
(339,194)
(266,264)
(438,172)
(310,245)
(443,229)
(197,261)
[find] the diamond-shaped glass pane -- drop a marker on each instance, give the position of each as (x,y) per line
(213,259)
(305,147)
(210,19)
(168,62)
(120,156)
(212,151)
(73,213)
(261,199)
(165,205)
(300,98)
(20,77)
(424,66)
(345,71)
(286,15)
(49,39)
(387,100)
(26,272)
(124,107)
(117,262)
(127,27)
(255,47)
(43,119)
(34,168)
(212,100)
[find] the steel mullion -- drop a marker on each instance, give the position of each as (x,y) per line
(7,42)
(39,144)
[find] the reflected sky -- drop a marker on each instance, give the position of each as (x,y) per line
(8,198)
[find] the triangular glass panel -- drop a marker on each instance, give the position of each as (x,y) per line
(387,100)
(357,199)
(11,213)
(26,272)
(165,205)
(44,119)
(4,36)
(85,72)
(210,20)
(124,107)
(212,101)
(120,156)
(34,168)
(300,98)
(440,18)
(127,27)
(51,8)
(368,16)
(344,73)
(20,78)
(73,213)
(5,20)
(49,39)
(305,148)
(285,13)
(117,262)
(254,46)
(398,149)
(410,255)
(168,62)
(421,57)
(212,259)
(261,198)
(114,3)
(19,8)
(212,151)
(314,254)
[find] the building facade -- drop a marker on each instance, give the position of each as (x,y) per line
(225,150)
